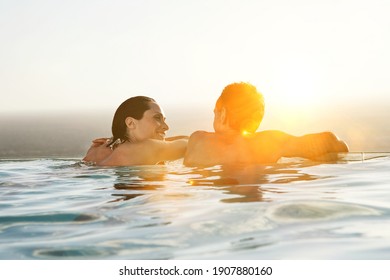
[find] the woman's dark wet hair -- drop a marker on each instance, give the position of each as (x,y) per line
(134,107)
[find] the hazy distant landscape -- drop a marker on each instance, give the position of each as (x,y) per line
(49,135)
(70,134)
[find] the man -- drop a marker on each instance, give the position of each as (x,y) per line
(238,113)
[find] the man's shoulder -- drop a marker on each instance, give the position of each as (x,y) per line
(200,134)
(197,149)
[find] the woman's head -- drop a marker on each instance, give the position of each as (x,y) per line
(138,118)
(241,107)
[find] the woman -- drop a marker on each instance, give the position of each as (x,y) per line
(138,130)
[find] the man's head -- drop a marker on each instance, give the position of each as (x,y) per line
(240,108)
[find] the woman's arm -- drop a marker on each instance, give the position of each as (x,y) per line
(169,150)
(176,138)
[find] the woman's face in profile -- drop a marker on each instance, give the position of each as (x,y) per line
(152,125)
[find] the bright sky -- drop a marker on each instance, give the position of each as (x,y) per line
(91,54)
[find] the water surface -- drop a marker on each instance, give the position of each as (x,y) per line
(62,209)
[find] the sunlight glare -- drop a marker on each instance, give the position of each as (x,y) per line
(296,92)
(296,86)
(245,133)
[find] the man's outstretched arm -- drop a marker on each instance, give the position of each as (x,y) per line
(317,146)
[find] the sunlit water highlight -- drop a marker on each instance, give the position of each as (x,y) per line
(63,209)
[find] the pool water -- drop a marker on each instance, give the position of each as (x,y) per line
(295,209)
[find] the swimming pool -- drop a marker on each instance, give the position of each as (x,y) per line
(296,209)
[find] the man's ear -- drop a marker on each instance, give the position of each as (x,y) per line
(130,122)
(223,115)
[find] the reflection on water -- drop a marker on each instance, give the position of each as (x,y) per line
(242,183)
(245,182)
(138,181)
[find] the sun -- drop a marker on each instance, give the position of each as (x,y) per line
(295,93)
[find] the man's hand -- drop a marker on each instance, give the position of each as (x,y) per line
(322,146)
(99,141)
